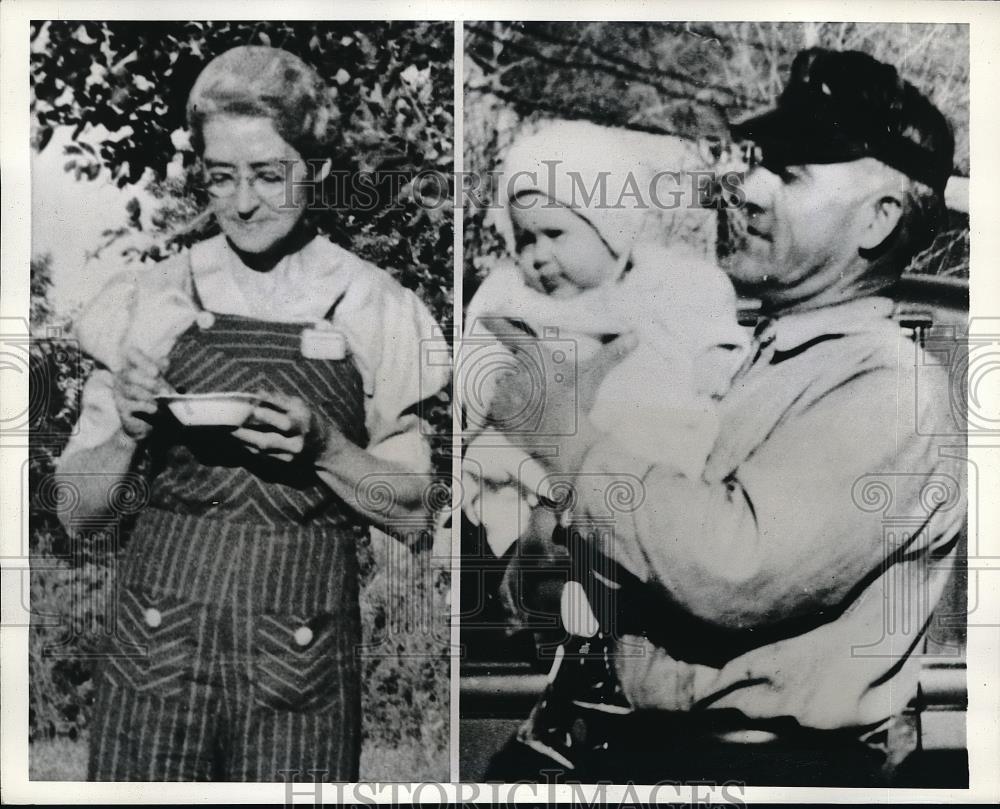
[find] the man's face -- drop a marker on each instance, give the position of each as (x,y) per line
(803,228)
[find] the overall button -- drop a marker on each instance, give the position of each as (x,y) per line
(303,636)
(153,617)
(205,320)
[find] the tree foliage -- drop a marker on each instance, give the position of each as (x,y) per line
(689,79)
(41,311)
(684,79)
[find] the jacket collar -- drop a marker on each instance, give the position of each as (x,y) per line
(859,316)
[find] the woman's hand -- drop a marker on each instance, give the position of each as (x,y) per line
(136,387)
(286,428)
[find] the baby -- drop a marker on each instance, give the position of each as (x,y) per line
(589,272)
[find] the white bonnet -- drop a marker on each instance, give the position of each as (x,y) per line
(566,161)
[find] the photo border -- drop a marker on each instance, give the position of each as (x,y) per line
(983,655)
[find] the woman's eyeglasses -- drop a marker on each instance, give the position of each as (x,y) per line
(268,184)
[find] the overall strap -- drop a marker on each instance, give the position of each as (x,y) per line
(195,297)
(333,308)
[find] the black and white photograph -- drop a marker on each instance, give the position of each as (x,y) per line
(714,497)
(239,464)
(499,402)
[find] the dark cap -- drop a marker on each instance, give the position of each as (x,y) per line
(844,105)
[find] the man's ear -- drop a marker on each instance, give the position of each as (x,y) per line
(885,211)
(324,171)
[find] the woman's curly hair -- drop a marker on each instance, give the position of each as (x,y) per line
(256,80)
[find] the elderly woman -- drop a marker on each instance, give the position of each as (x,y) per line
(234,652)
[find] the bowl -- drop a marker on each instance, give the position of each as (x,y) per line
(211,409)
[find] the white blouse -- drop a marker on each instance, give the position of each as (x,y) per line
(388,329)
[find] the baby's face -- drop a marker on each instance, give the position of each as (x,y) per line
(559,252)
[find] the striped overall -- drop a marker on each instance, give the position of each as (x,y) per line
(238,619)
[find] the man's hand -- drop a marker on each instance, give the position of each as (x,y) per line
(562,403)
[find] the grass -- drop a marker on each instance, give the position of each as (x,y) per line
(66,760)
(57,760)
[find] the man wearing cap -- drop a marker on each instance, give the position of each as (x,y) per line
(784,621)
